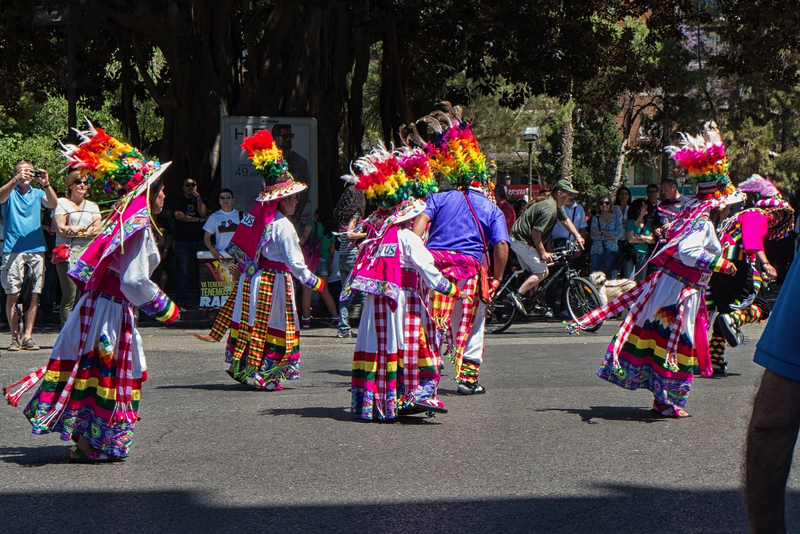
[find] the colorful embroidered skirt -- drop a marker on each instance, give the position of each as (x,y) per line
(642,360)
(392,363)
(85,404)
(263,347)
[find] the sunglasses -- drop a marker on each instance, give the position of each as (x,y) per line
(604,203)
(225,198)
(81,182)
(287,136)
(190,185)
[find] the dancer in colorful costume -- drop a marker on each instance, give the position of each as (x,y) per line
(737,298)
(91,386)
(663,338)
(463,223)
(394,370)
(263,348)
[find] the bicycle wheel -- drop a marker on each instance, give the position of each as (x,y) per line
(582,298)
(500,312)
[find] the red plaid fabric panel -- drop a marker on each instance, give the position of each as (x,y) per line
(675,327)
(291,339)
(244,323)
(123,409)
(86,314)
(438,327)
(469,309)
(224,318)
(412,328)
(381,307)
(620,304)
(261,320)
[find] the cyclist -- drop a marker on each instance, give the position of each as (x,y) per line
(530,232)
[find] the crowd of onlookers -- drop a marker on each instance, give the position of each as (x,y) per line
(43,231)
(620,232)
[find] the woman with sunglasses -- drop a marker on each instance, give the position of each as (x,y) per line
(77,221)
(606,231)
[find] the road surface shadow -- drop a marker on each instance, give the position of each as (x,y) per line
(233,386)
(36,456)
(617,509)
(337,372)
(343,414)
(610,413)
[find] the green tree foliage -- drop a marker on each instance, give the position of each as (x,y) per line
(168,70)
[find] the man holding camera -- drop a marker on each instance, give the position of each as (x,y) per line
(23,244)
(190,212)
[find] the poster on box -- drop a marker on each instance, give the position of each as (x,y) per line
(218,279)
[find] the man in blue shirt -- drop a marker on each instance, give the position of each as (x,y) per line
(24,244)
(457,237)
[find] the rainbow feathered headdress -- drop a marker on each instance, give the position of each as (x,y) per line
(381,178)
(384,183)
(705,163)
(118,165)
(454,153)
(416,166)
(268,160)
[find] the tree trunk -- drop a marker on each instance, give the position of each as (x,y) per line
(393,99)
(299,57)
(201,51)
(623,149)
(665,129)
(627,126)
(355,101)
(567,140)
(130,125)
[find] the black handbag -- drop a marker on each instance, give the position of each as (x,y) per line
(628,253)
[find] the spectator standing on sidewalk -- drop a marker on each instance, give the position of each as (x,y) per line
(672,201)
(347,215)
(509,213)
(23,244)
(190,213)
(51,290)
(222,224)
(77,221)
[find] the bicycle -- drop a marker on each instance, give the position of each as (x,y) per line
(579,295)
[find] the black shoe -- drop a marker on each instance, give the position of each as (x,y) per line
(720,369)
(516,300)
(728,330)
(471,388)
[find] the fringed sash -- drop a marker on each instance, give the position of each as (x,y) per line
(440,308)
(224,318)
(248,352)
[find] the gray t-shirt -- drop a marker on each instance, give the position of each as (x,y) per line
(542,216)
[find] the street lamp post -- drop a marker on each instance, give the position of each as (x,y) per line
(530,136)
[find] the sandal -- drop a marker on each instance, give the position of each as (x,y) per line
(428,405)
(77,456)
(668,410)
(204,337)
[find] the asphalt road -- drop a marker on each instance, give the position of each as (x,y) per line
(549,448)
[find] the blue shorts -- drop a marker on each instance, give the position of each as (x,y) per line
(322,268)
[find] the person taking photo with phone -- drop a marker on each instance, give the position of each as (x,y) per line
(23,244)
